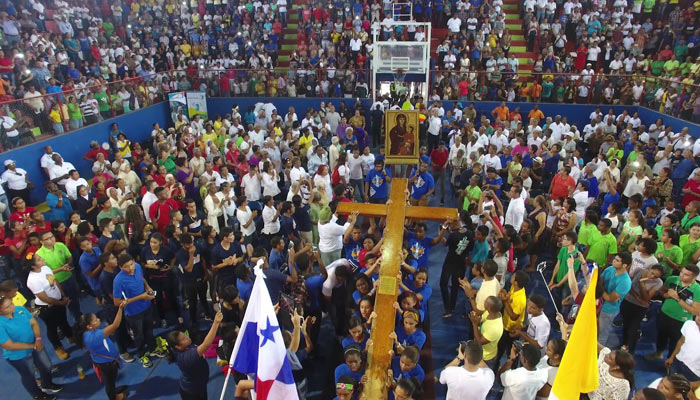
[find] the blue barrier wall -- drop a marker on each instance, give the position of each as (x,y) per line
(650,116)
(73,146)
(576,114)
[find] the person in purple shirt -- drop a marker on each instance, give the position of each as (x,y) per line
(342,126)
(185,175)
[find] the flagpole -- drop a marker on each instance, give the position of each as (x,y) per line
(540,267)
(228,375)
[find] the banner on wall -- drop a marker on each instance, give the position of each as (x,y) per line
(178,105)
(197,104)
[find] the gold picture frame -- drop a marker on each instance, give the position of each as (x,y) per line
(402,128)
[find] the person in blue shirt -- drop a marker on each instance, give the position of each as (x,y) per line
(288,229)
(353,366)
(277,260)
(352,243)
(406,366)
(493,181)
(190,271)
(410,333)
(681,172)
(243,282)
(103,351)
(419,286)
(358,335)
(419,244)
(617,283)
(422,185)
(190,360)
(377,183)
(481,247)
(22,347)
(131,288)
(90,265)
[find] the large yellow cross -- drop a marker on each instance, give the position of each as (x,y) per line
(396,212)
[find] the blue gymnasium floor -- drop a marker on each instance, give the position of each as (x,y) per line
(161,381)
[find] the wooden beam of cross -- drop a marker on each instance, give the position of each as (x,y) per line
(396,213)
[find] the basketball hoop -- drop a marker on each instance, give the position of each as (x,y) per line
(399,75)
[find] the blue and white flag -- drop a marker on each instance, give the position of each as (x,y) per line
(260,348)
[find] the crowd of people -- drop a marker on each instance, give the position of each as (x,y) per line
(103,58)
(163,234)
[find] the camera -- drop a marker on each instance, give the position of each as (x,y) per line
(463,347)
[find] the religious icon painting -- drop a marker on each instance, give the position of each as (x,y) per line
(402,143)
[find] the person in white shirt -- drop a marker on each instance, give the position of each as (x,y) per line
(454,24)
(338,271)
(686,357)
(354,166)
(73,183)
(473,380)
(331,234)
(59,171)
(515,214)
(522,383)
(550,363)
(17,181)
(149,198)
(270,216)
(251,184)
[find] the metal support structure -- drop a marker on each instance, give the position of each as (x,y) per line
(408,64)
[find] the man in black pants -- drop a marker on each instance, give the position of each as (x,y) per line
(460,242)
(131,287)
(682,294)
(192,276)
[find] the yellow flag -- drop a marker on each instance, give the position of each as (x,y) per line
(578,371)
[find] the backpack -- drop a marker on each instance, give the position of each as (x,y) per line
(335,177)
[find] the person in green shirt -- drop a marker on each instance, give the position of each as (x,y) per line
(103,104)
(681,304)
(117,103)
(560,277)
(472,193)
(588,231)
(75,113)
(657,66)
(691,216)
(668,252)
(604,245)
(110,212)
(166,160)
(681,50)
(57,257)
(671,65)
(109,28)
(690,244)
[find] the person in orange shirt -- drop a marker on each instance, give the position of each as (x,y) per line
(501,111)
(536,92)
(535,112)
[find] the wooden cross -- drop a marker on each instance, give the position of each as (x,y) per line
(379,360)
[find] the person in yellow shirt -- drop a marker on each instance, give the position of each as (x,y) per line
(209,134)
(488,329)
(186,49)
(9,288)
(515,304)
(55,117)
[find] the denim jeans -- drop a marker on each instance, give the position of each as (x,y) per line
(24,367)
(679,367)
(605,327)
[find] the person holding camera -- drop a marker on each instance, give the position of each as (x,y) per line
(471,381)
(524,382)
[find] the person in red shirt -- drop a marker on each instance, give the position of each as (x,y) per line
(22,212)
(562,184)
(438,160)
(160,210)
(463,87)
(16,241)
(95,149)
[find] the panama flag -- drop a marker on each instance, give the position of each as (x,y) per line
(260,348)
